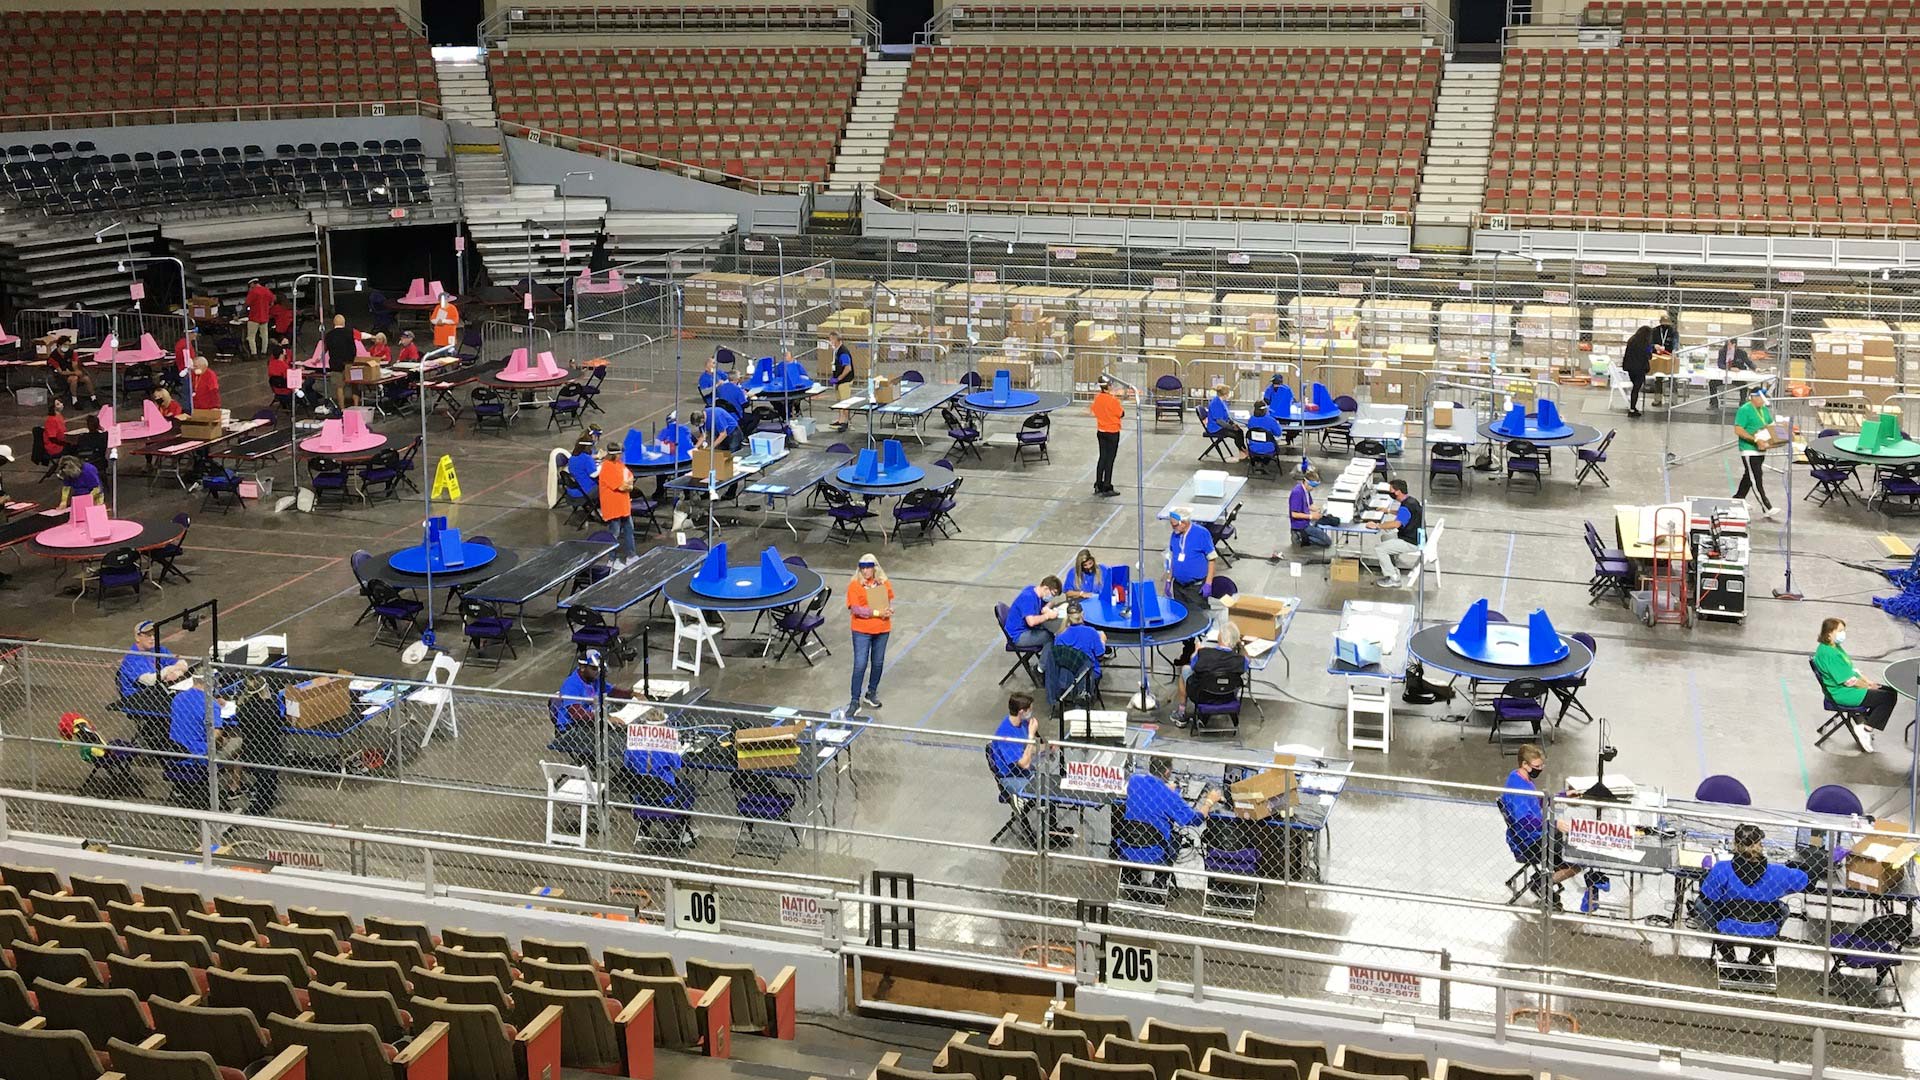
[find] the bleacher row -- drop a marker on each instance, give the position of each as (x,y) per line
(672,19)
(1318,128)
(770,113)
(1720,18)
(159,984)
(1773,133)
(1081,1046)
(81,180)
(1068,17)
(90,61)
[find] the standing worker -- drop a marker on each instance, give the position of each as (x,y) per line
(340,344)
(1636,359)
(1190,558)
(1107,415)
(1753,428)
(616,503)
(843,372)
(259,313)
(870,610)
(446,321)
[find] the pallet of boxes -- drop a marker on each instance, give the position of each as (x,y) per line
(1549,339)
(1252,322)
(715,305)
(1398,334)
(1107,337)
(906,330)
(1327,329)
(1854,358)
(1040,323)
(1469,333)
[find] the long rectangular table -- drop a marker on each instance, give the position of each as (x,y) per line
(546,570)
(914,404)
(1208,511)
(636,583)
(793,478)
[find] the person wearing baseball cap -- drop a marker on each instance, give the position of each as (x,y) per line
(147,667)
(1107,416)
(870,611)
(1190,564)
(616,502)
(575,706)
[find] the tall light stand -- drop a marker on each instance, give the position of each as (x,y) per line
(1142,701)
(294,361)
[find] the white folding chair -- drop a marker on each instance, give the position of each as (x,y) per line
(569,785)
(1428,564)
(690,625)
(439,694)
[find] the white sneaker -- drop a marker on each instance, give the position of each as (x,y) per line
(1770,513)
(1863,734)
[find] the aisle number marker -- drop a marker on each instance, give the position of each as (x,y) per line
(445,480)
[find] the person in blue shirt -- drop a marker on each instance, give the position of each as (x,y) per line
(584,467)
(1745,896)
(1031,614)
(1086,639)
(148,663)
(1154,801)
(79,481)
(716,427)
(1190,558)
(1015,741)
(732,392)
(710,377)
(1263,432)
(1524,812)
(1082,580)
(1219,421)
(574,708)
(188,728)
(1274,386)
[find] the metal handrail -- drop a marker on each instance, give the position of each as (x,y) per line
(193,114)
(1587,223)
(1131,209)
(623,156)
(1163,18)
(602,19)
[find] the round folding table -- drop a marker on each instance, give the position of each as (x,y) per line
(806,585)
(1430,648)
(504,559)
(1122,635)
(1044,401)
(1828,446)
(154,532)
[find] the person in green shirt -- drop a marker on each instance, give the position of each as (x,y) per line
(1845,686)
(1752,427)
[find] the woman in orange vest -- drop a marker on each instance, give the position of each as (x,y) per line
(445,320)
(870,608)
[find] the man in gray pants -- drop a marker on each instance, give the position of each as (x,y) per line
(1404,525)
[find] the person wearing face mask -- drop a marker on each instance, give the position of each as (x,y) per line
(1301,517)
(1745,896)
(1846,687)
(1527,827)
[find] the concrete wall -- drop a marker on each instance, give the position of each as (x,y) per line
(627,187)
(411,7)
(266,133)
(816,984)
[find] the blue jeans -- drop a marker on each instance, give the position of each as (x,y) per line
(1312,536)
(869,660)
(622,529)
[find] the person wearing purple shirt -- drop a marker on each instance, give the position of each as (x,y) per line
(1301,517)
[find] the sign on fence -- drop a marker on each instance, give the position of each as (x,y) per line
(656,738)
(907,247)
(697,910)
(802,912)
(1094,776)
(1376,983)
(1599,834)
(1132,967)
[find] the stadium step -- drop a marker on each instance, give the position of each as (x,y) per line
(1454,179)
(465,94)
(869,128)
(510,251)
(655,244)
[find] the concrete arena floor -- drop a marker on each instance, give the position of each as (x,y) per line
(1681,704)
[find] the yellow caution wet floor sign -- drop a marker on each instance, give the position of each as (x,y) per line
(446,485)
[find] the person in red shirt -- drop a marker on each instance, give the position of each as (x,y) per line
(408,350)
(55,435)
(280,318)
(206,385)
(169,408)
(259,314)
(277,368)
(380,350)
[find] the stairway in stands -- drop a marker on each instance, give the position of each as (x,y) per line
(57,263)
(220,254)
(863,145)
(653,243)
(1458,152)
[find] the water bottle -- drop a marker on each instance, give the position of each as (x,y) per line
(837,717)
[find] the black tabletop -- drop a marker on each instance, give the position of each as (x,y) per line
(154,531)
(658,468)
(1311,423)
(1828,446)
(1430,647)
(784,395)
(1197,620)
(542,571)
(1581,435)
(933,476)
(806,583)
(640,579)
(502,562)
(798,471)
(1904,676)
(1047,402)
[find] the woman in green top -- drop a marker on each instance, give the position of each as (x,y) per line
(1755,417)
(1845,686)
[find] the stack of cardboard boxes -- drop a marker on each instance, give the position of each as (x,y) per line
(1470,332)
(1386,323)
(1040,320)
(1697,328)
(716,304)
(1613,326)
(1252,320)
(1332,317)
(1549,334)
(1855,357)
(981,306)
(1170,315)
(1118,311)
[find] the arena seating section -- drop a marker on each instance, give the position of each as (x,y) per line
(1061,18)
(59,178)
(1782,137)
(91,61)
(1315,130)
(1807,19)
(717,18)
(770,113)
(237,979)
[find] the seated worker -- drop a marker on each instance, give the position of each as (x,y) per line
(1263,423)
(1302,518)
(1153,800)
(1087,640)
(277,368)
(68,370)
(409,350)
(380,350)
(710,377)
(1227,653)
(1082,579)
(573,710)
(53,428)
(187,728)
(1219,421)
(91,441)
(1015,741)
(1031,613)
(78,480)
(584,467)
(732,393)
(652,779)
(143,677)
(1846,686)
(716,427)
(169,408)
(1526,822)
(1745,896)
(1404,523)
(1268,399)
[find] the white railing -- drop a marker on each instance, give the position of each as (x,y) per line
(716,18)
(1165,18)
(304,110)
(1615,223)
(1204,211)
(623,156)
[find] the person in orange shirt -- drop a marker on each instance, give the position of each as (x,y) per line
(616,504)
(870,610)
(445,320)
(1107,414)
